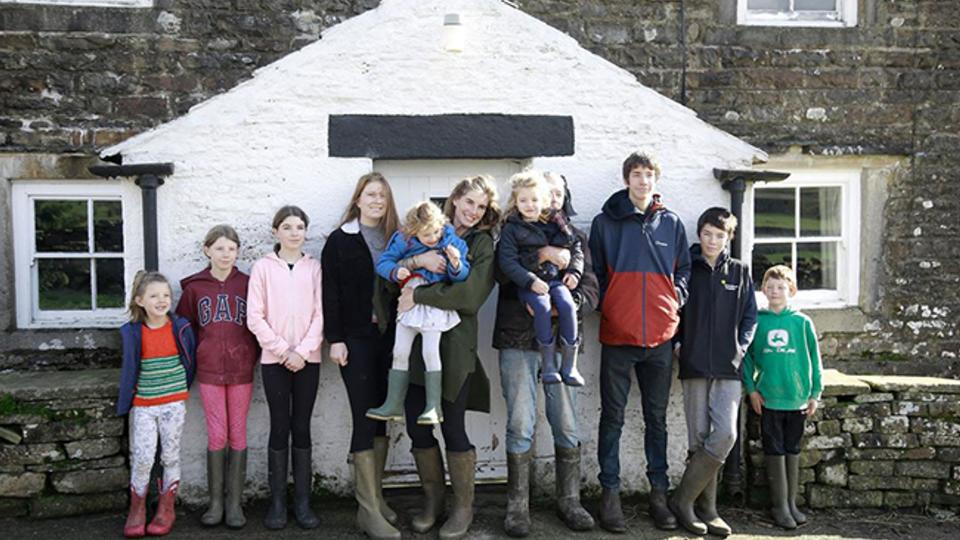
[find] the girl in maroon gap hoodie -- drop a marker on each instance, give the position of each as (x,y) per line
(214,300)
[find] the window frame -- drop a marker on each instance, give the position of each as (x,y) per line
(86,3)
(849,180)
(26,271)
(847,17)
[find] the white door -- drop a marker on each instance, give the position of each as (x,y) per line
(413,181)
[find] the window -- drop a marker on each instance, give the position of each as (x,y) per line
(69,254)
(90,3)
(811,223)
(838,13)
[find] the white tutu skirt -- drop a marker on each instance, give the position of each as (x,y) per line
(428,318)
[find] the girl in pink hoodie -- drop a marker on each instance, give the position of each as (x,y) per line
(284,311)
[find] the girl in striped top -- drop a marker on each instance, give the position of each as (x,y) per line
(157,369)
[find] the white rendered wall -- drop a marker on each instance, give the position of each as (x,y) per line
(241,155)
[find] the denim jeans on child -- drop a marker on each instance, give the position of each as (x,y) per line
(654,372)
(559,298)
(519,381)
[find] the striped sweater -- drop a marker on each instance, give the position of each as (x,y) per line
(162,378)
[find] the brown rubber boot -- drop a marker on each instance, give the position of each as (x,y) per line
(463,470)
(369,518)
(569,509)
(430,469)
(380,445)
(517,521)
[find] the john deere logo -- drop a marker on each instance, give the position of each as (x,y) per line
(778,338)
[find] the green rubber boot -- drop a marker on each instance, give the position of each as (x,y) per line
(432,413)
(392,408)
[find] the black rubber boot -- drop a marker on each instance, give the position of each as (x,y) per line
(276,517)
(303,488)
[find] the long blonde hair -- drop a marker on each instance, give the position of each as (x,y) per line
(525,180)
(140,283)
(390,220)
(484,183)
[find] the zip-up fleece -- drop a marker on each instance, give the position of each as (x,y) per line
(217,310)
(285,308)
(718,320)
(131,335)
(783,362)
(642,262)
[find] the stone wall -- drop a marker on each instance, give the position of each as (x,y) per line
(876,441)
(71,454)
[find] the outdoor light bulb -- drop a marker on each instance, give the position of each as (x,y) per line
(453,33)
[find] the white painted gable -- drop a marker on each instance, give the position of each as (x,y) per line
(241,155)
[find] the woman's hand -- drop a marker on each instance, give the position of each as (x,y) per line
(405,302)
(454,255)
(432,261)
(539,286)
(571,281)
(756,402)
(294,362)
(338,353)
(557,255)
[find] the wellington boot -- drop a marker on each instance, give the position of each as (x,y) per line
(303,489)
(463,470)
(611,513)
(236,476)
(568,364)
(432,413)
(430,469)
(779,508)
(706,508)
(276,517)
(700,469)
(136,525)
(517,521)
(793,484)
(215,465)
(163,520)
(569,509)
(392,408)
(380,445)
(366,490)
(549,374)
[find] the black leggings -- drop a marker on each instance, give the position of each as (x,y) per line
(281,387)
(454,428)
(365,377)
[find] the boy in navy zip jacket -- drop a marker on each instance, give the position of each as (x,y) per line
(717,325)
(642,261)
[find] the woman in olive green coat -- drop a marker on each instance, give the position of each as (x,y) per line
(472,209)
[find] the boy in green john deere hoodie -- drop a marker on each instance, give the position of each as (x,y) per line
(781,373)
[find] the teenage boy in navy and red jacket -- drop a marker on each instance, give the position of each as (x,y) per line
(642,261)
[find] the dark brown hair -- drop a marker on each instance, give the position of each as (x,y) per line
(720,218)
(483,183)
(285,212)
(640,159)
(221,231)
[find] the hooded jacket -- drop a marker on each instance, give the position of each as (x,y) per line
(520,242)
(217,311)
(131,336)
(642,262)
(718,320)
(783,362)
(285,308)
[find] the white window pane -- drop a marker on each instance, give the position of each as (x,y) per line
(767,255)
(816,265)
(820,211)
(815,5)
(61,226)
(64,284)
(778,5)
(774,213)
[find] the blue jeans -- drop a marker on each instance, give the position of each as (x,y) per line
(518,378)
(560,298)
(654,373)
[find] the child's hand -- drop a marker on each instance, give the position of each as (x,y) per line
(294,362)
(402,273)
(539,286)
(338,353)
(571,281)
(811,407)
(453,254)
(756,402)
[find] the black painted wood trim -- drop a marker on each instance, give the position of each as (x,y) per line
(450,136)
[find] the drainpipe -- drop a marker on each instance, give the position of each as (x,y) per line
(735,181)
(149,177)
